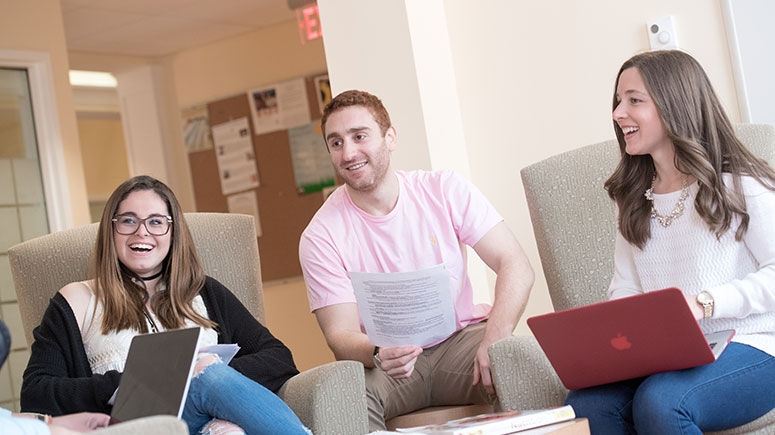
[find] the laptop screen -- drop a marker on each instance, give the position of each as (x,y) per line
(157,374)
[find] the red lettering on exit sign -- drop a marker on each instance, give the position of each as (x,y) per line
(309,22)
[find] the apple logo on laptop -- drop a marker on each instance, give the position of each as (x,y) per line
(620,342)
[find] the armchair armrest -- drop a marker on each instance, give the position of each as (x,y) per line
(330,399)
(523,376)
(156,425)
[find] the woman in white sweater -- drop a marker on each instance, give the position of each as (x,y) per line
(696,210)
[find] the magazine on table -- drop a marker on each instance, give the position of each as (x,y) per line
(497,423)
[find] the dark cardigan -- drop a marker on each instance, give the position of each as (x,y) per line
(58,379)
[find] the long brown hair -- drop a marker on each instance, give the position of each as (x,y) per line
(705,148)
(122,292)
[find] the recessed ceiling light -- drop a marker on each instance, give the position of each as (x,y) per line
(92,78)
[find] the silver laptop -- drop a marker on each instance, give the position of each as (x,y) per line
(157,375)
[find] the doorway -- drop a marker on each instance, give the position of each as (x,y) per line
(23,211)
(103,147)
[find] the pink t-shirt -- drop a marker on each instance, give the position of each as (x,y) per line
(436,215)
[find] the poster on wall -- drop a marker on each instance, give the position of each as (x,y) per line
(312,168)
(323,90)
(196,128)
(279,106)
(234,154)
(245,203)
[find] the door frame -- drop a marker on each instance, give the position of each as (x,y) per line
(56,187)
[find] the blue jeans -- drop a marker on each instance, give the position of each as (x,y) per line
(222,392)
(736,389)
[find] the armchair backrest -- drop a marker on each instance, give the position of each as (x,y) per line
(226,243)
(574,220)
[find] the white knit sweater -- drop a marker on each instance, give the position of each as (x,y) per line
(739,275)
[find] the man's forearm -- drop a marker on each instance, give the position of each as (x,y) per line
(512,290)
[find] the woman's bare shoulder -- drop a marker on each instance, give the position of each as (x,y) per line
(78,295)
(78,289)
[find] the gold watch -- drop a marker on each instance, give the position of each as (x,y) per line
(706,302)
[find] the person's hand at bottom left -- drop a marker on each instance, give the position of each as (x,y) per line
(81,421)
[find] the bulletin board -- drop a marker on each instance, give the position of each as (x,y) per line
(284,213)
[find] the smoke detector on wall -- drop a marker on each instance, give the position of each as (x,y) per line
(661,32)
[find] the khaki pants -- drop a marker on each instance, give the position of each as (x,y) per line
(442,376)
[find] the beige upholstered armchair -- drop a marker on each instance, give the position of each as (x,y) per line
(329,399)
(574,225)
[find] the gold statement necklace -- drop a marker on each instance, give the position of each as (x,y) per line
(678,209)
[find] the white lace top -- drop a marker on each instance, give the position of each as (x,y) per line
(109,352)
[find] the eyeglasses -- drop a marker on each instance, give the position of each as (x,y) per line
(156,224)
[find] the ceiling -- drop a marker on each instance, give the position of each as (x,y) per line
(161,27)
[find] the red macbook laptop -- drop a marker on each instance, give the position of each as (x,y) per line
(625,338)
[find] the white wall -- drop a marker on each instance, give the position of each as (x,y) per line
(751,36)
(380,60)
(533,78)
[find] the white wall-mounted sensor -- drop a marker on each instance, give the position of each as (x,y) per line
(662,34)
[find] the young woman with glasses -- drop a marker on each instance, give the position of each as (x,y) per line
(147,278)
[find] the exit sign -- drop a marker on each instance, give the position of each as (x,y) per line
(309,22)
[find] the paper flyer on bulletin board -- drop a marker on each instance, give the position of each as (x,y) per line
(196,128)
(279,106)
(312,167)
(245,203)
(323,90)
(234,154)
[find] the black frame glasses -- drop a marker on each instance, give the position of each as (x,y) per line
(155,229)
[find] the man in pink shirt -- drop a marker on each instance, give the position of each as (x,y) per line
(384,220)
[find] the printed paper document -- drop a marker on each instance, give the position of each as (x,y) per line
(405,308)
